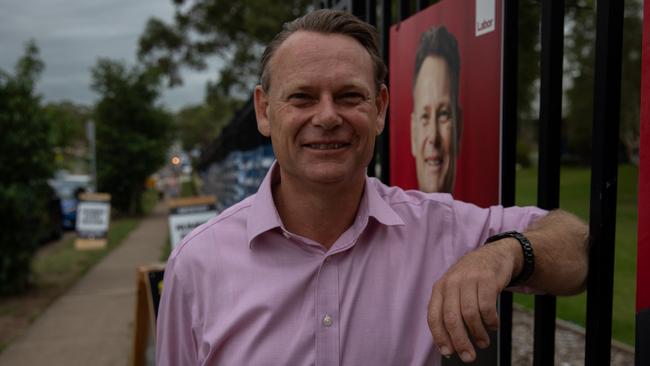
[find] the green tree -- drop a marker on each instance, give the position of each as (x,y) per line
(631,79)
(133,133)
(68,134)
(580,60)
(234,30)
(579,67)
(198,125)
(25,164)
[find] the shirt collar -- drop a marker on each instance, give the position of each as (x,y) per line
(377,206)
(264,215)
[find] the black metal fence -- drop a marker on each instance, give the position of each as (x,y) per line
(604,160)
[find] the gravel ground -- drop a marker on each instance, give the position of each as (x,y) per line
(569,343)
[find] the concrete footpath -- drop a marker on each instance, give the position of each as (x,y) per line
(92,324)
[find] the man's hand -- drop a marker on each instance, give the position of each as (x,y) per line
(465,298)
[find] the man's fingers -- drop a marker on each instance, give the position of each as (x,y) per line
(436,324)
(469,306)
(451,315)
(487,302)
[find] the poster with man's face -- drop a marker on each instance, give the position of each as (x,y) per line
(445,111)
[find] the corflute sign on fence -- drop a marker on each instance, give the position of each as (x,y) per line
(185,214)
(93,218)
(445,86)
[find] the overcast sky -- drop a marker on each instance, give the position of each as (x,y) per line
(72,34)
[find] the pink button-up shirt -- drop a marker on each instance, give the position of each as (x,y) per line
(242,290)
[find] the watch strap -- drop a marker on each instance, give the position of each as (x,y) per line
(529,256)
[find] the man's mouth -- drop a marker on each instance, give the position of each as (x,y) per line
(331,146)
(433,161)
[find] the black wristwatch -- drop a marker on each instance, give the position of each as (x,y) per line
(529,257)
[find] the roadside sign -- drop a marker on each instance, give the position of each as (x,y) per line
(185,214)
(93,218)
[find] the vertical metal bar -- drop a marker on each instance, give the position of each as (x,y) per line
(358,8)
(403,10)
(548,193)
(604,170)
(371,12)
(384,139)
(508,154)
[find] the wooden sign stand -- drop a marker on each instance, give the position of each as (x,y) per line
(145,312)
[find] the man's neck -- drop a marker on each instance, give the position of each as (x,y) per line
(320,212)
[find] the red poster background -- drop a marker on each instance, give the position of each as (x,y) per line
(478,167)
(643,252)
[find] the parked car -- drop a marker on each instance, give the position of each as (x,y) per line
(67,188)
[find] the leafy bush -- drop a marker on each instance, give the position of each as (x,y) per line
(26,162)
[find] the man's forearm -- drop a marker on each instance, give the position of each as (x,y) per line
(465,297)
(560,242)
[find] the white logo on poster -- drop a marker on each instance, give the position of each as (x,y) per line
(484,16)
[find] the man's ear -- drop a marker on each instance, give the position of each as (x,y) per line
(381,103)
(261,102)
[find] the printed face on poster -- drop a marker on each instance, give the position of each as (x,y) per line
(445,87)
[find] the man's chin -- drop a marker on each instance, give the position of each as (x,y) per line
(429,186)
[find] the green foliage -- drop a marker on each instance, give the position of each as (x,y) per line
(631,79)
(580,55)
(20,211)
(234,30)
(528,61)
(25,164)
(68,135)
(579,68)
(198,125)
(133,133)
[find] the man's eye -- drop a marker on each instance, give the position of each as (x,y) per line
(351,98)
(300,99)
(424,118)
(299,96)
(443,115)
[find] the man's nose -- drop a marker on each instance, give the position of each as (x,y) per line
(327,115)
(431,132)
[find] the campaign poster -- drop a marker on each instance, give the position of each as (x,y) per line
(445,109)
(93,219)
(186,214)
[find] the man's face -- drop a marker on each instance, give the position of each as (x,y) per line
(432,126)
(321,111)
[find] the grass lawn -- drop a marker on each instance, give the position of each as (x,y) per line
(574,197)
(63,264)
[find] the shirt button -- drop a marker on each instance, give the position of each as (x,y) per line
(327,320)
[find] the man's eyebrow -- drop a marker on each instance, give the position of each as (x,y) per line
(426,108)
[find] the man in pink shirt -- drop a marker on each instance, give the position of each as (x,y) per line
(325,266)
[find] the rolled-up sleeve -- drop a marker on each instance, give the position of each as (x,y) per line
(175,341)
(472,225)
